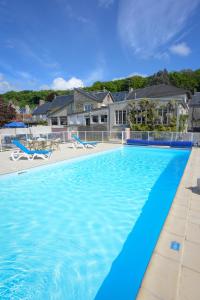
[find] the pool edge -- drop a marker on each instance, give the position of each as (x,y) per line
(86,153)
(163,278)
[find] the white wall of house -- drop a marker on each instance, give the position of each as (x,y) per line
(76,119)
(39,117)
(96,117)
(107,100)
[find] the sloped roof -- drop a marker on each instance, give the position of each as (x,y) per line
(96,96)
(156,91)
(60,101)
(119,96)
(99,95)
(195,100)
(42,109)
(87,94)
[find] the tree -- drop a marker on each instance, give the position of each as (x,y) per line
(148,113)
(7,112)
(161,77)
(50,96)
(186,79)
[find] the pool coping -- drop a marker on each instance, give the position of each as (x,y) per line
(65,154)
(79,156)
(60,162)
(175,274)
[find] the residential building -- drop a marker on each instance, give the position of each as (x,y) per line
(22,113)
(194,113)
(40,113)
(104,110)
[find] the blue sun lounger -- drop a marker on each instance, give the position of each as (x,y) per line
(80,143)
(29,154)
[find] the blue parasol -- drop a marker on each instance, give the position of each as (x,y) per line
(15,125)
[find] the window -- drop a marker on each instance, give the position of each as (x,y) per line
(139,120)
(63,120)
(87,121)
(88,107)
(124,114)
(120,117)
(95,119)
(165,116)
(54,121)
(104,118)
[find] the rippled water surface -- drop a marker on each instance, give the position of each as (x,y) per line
(62,226)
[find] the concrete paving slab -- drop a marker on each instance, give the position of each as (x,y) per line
(179,211)
(191,256)
(162,279)
(185,271)
(189,285)
(175,225)
(193,233)
(164,248)
(145,294)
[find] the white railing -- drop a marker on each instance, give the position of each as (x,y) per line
(165,136)
(100,136)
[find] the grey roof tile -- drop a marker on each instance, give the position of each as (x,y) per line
(60,101)
(42,109)
(87,94)
(119,96)
(195,101)
(155,91)
(99,95)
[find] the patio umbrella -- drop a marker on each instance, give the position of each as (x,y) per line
(15,125)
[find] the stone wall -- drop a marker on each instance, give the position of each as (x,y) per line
(80,100)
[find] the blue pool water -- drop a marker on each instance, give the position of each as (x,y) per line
(85,230)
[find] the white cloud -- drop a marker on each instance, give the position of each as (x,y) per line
(105,3)
(148,26)
(5,86)
(137,74)
(60,83)
(130,75)
(181,49)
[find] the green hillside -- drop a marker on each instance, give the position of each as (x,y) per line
(187,79)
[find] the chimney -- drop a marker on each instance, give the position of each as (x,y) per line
(130,89)
(41,102)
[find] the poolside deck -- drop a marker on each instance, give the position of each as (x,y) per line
(171,275)
(175,275)
(64,153)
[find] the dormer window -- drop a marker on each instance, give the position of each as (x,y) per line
(88,107)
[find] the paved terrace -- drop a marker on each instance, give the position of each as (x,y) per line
(171,275)
(64,153)
(175,275)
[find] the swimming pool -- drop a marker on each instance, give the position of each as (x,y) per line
(85,229)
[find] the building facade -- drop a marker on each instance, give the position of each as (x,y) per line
(194,113)
(108,111)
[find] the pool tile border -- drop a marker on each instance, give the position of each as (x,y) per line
(175,275)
